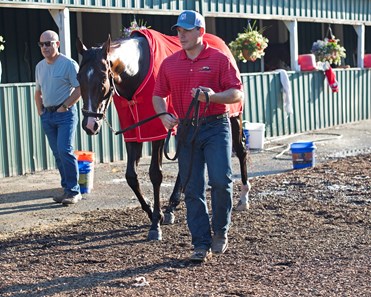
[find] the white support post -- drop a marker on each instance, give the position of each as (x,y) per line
(360,30)
(62,19)
(292,26)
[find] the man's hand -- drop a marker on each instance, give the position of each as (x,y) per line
(169,121)
(62,109)
(202,96)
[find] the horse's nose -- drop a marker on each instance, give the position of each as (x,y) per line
(91,126)
(88,131)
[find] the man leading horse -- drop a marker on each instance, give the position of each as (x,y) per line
(201,76)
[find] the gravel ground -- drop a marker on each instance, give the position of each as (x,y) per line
(307,234)
(26,203)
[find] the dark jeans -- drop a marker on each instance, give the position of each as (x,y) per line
(211,150)
(60,129)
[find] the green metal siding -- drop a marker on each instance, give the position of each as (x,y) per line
(21,52)
(355,10)
(315,105)
(96,5)
(24,148)
(23,145)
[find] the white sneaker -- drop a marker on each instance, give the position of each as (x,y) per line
(72,199)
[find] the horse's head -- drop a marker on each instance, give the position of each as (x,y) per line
(96,84)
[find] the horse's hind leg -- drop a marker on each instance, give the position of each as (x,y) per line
(238,141)
(155,174)
(169,216)
(134,153)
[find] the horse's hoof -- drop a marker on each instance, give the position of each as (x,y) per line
(241,206)
(169,218)
(154,235)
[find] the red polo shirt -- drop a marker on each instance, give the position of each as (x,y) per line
(178,75)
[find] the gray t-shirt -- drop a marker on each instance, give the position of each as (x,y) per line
(56,81)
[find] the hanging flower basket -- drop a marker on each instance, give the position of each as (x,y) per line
(249,45)
(249,56)
(328,50)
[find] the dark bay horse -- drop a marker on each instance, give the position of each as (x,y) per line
(124,71)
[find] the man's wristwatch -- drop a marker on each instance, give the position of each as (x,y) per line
(65,106)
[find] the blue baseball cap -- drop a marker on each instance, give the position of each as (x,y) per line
(189,20)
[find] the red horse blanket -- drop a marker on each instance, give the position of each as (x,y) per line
(140,107)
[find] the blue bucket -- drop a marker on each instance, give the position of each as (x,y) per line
(303,154)
(86,176)
(247,135)
(85,161)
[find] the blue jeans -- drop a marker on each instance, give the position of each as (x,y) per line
(212,150)
(60,129)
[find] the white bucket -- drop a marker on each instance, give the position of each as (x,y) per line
(256,134)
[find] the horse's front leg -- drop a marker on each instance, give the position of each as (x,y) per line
(155,174)
(134,153)
(240,148)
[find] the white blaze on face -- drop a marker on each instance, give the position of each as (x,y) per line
(90,124)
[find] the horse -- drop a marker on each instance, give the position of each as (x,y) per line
(124,71)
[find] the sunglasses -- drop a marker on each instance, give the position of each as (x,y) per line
(46,43)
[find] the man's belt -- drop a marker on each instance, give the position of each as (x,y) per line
(52,108)
(205,120)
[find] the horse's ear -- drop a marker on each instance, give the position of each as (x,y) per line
(107,45)
(80,46)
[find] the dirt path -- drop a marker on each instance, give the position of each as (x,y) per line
(306,234)
(26,201)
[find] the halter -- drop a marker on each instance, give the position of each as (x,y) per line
(109,96)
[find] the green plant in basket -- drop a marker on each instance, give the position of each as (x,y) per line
(328,50)
(249,45)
